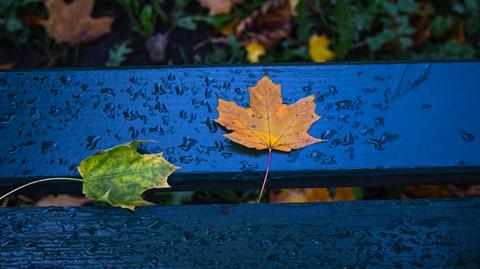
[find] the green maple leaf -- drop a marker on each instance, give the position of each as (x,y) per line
(120,175)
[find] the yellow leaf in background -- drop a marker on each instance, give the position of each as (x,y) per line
(254,52)
(72,24)
(318,48)
(218,7)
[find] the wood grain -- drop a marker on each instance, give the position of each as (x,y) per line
(367,234)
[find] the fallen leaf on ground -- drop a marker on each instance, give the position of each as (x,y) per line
(120,175)
(156,47)
(318,48)
(266,26)
(61,200)
(218,7)
(6,66)
(311,195)
(72,24)
(269,124)
(425,191)
(254,52)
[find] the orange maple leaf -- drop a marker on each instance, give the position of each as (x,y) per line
(269,124)
(72,24)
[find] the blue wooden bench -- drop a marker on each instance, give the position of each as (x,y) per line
(386,124)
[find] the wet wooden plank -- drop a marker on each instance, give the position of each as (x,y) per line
(365,234)
(382,122)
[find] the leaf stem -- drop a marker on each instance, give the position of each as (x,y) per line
(38,181)
(266,175)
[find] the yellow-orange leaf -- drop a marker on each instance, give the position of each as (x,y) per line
(269,124)
(72,24)
(318,48)
(254,52)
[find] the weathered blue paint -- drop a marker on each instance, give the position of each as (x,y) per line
(379,119)
(367,234)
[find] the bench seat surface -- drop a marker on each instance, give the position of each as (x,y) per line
(365,234)
(378,119)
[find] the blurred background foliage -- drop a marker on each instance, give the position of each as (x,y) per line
(236,31)
(168,32)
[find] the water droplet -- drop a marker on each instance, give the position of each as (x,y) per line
(369,90)
(344,118)
(92,141)
(248,167)
(187,236)
(109,109)
(179,90)
(328,134)
(108,92)
(380,106)
(208,93)
(348,139)
(188,143)
(47,146)
(55,111)
(218,147)
(189,159)
(335,142)
(134,133)
(63,79)
(54,92)
(379,122)
(159,90)
(212,125)
(351,152)
(161,107)
(426,106)
(379,144)
(367,131)
(293,156)
(344,105)
(131,115)
(157,130)
(316,155)
(6,118)
(28,171)
(307,89)
(329,160)
(226,155)
(467,137)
